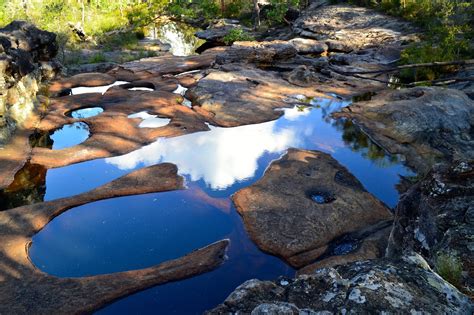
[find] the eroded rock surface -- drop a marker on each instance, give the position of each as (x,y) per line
(348,27)
(26,59)
(436,216)
(393,287)
(238,95)
(425,124)
(304,201)
(257,52)
(25,289)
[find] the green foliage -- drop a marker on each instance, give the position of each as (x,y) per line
(449,267)
(278,10)
(98,57)
(237,34)
(449,30)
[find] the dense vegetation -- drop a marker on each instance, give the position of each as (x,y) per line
(448,24)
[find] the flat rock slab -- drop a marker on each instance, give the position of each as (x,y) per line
(282,218)
(170,64)
(112,133)
(13,156)
(426,124)
(257,52)
(25,289)
(396,287)
(238,95)
(348,27)
(90,79)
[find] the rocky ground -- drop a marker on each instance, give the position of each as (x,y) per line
(352,253)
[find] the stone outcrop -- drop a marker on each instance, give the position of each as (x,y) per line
(26,59)
(25,289)
(238,95)
(309,46)
(367,287)
(305,201)
(257,52)
(436,216)
(425,124)
(346,28)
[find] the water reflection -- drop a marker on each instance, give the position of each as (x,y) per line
(28,187)
(179,36)
(150,121)
(139,231)
(86,112)
(96,89)
(69,135)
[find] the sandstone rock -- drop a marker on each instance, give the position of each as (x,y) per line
(424,124)
(309,46)
(347,27)
(26,289)
(257,52)
(393,287)
(90,79)
(305,201)
(436,216)
(237,95)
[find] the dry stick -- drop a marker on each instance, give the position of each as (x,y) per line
(432,82)
(417,65)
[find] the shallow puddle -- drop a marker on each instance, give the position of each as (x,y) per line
(69,135)
(150,121)
(138,231)
(96,89)
(86,112)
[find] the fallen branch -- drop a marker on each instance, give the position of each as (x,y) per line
(416,65)
(437,82)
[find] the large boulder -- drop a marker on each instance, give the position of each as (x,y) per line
(26,58)
(436,217)
(393,287)
(426,124)
(305,201)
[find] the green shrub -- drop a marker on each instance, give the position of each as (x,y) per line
(237,34)
(98,57)
(449,266)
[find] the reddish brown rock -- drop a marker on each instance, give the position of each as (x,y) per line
(13,156)
(282,218)
(84,79)
(239,95)
(169,64)
(112,132)
(25,289)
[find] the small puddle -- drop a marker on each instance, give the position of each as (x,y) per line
(150,121)
(85,112)
(140,89)
(69,135)
(138,231)
(181,90)
(96,89)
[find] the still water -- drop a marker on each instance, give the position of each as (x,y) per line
(138,231)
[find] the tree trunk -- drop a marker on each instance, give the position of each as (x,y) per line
(256,9)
